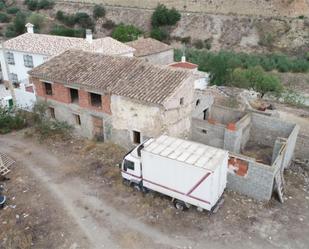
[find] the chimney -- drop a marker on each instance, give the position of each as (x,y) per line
(89,35)
(183,58)
(29,27)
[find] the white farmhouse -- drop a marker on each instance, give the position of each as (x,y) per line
(24,52)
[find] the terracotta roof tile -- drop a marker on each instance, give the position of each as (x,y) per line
(147,46)
(185,65)
(119,75)
(54,45)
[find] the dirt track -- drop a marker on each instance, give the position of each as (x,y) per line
(100,216)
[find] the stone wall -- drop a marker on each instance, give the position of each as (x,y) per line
(241,7)
(163,58)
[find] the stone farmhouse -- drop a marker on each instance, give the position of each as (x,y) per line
(24,52)
(121,99)
(152,51)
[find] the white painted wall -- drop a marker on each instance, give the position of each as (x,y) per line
(24,100)
(19,67)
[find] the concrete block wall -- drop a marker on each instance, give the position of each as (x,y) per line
(257,183)
(302,147)
(265,130)
(225,115)
(290,146)
(206,133)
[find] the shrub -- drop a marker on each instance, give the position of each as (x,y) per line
(81,18)
(4,18)
(84,20)
(10,119)
(45,4)
(39,4)
(109,25)
(98,11)
(159,34)
(257,79)
(163,16)
(18,25)
(64,31)
(126,33)
(10,31)
(2,5)
(12,10)
(45,127)
(37,20)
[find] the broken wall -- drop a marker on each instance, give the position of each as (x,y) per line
(225,115)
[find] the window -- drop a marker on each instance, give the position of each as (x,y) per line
(205,114)
(13,77)
(181,101)
(136,137)
(204,131)
(197,102)
(10,58)
(48,88)
(51,111)
(95,100)
(128,165)
(77,119)
(28,61)
(74,95)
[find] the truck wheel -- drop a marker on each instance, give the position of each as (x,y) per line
(137,187)
(180,205)
(126,182)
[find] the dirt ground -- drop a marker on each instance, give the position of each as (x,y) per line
(70,195)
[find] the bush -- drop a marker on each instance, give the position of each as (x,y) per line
(2,5)
(12,10)
(10,119)
(45,4)
(126,33)
(109,25)
(45,127)
(98,11)
(163,16)
(84,20)
(4,18)
(64,31)
(37,20)
(159,34)
(18,25)
(257,79)
(39,4)
(81,18)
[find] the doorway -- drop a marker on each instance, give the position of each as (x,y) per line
(98,128)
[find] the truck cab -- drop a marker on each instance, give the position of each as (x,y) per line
(131,168)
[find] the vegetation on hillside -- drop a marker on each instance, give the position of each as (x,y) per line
(161,20)
(126,33)
(245,70)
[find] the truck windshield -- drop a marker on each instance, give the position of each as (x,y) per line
(128,165)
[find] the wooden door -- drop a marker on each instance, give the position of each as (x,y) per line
(98,128)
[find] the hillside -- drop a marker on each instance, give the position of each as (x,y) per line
(269,8)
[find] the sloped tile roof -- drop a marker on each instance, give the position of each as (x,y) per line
(148,46)
(53,45)
(185,65)
(119,75)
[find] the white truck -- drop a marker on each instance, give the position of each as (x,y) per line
(191,173)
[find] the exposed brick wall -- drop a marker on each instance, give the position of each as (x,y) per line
(62,94)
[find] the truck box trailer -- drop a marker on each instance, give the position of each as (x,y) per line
(190,173)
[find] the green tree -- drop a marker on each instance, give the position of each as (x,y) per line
(257,79)
(126,33)
(37,20)
(163,16)
(98,11)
